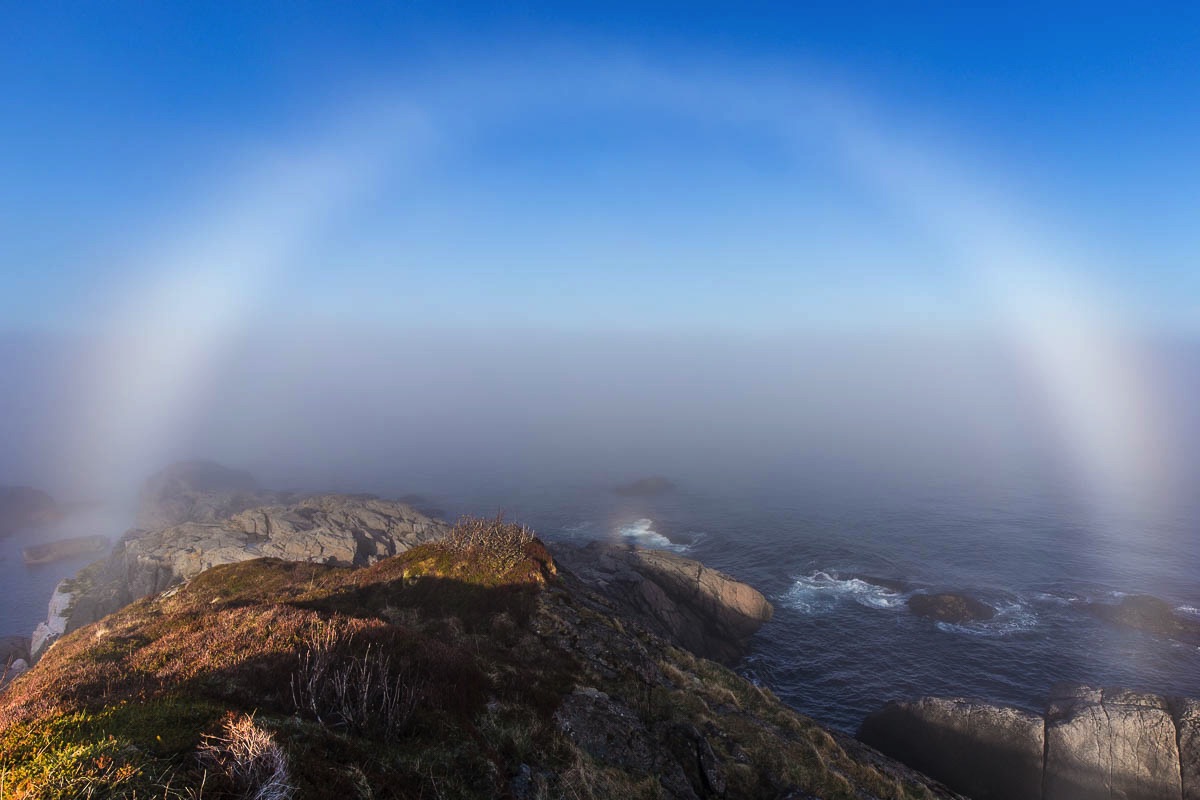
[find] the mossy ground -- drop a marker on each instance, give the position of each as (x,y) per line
(119,708)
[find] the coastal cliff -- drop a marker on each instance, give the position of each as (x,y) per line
(473,664)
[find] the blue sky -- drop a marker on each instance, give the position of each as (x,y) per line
(612,165)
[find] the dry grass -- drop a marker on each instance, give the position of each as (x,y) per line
(249,758)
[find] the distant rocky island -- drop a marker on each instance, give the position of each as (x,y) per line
(241,642)
(25,507)
(646,487)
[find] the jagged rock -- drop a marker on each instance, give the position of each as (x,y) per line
(646,487)
(1109,743)
(950,607)
(678,598)
(199,491)
(984,751)
(25,507)
(1148,613)
(342,530)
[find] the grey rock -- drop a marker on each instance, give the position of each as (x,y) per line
(198,491)
(342,530)
(699,608)
(1109,743)
(984,751)
(1150,614)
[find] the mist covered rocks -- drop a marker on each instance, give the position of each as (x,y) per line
(1149,614)
(26,507)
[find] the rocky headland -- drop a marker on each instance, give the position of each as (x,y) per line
(344,646)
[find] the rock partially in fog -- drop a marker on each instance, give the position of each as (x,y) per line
(60,549)
(1147,613)
(1090,743)
(646,487)
(1110,743)
(13,647)
(198,491)
(950,607)
(984,751)
(678,598)
(342,530)
(25,507)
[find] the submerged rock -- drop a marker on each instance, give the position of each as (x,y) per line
(678,598)
(950,607)
(1147,613)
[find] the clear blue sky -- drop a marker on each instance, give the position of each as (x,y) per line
(614,164)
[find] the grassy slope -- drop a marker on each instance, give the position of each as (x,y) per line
(488,646)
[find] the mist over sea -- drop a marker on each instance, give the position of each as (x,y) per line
(800,467)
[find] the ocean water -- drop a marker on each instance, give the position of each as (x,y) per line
(839,647)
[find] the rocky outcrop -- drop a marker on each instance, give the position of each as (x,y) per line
(950,607)
(343,530)
(678,598)
(1090,743)
(1150,614)
(24,507)
(1109,743)
(984,751)
(14,657)
(199,491)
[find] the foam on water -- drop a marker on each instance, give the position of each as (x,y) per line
(1192,610)
(642,532)
(824,590)
(1012,616)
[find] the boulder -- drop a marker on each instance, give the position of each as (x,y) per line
(1147,613)
(984,751)
(1109,743)
(699,608)
(950,607)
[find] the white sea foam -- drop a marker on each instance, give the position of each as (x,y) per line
(642,531)
(821,591)
(1012,616)
(1192,610)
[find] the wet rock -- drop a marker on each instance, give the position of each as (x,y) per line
(950,607)
(986,752)
(1147,613)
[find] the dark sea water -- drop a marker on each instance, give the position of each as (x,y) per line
(838,647)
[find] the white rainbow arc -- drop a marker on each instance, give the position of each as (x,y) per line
(203,287)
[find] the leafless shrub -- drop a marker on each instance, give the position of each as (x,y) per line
(361,692)
(250,758)
(499,544)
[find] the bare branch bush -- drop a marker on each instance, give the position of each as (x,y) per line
(359,692)
(250,758)
(499,544)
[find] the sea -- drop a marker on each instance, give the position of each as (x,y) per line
(839,647)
